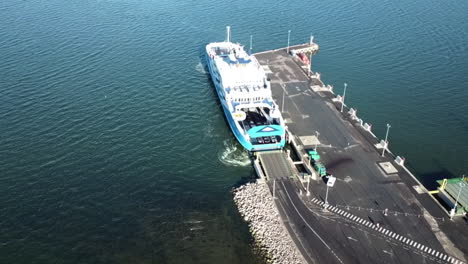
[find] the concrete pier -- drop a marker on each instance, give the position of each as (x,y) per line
(378,212)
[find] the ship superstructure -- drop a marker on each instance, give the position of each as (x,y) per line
(245,95)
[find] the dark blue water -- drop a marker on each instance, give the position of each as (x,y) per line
(113,148)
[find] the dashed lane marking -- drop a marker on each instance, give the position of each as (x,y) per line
(390,234)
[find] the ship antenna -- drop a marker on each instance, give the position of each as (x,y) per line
(228,33)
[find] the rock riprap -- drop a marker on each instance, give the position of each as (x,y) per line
(256,205)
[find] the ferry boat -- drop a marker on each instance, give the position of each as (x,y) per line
(245,95)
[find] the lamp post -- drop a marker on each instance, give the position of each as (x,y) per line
(317,134)
(385,142)
(330,183)
(344,94)
(250,44)
(310,58)
(310,64)
(282,103)
(289,36)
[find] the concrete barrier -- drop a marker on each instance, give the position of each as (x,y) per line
(400,161)
(352,113)
(367,127)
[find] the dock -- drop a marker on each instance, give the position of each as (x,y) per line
(377,211)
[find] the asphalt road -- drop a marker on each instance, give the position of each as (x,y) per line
(324,237)
(362,187)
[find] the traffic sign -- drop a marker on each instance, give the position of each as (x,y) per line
(331,181)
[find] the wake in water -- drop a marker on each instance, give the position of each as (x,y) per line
(233,154)
(200,68)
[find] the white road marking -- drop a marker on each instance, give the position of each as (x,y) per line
(385,251)
(305,222)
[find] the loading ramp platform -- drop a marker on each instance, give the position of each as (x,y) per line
(275,164)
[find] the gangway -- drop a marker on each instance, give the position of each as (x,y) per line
(275,164)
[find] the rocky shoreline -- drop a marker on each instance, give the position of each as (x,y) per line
(257,207)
